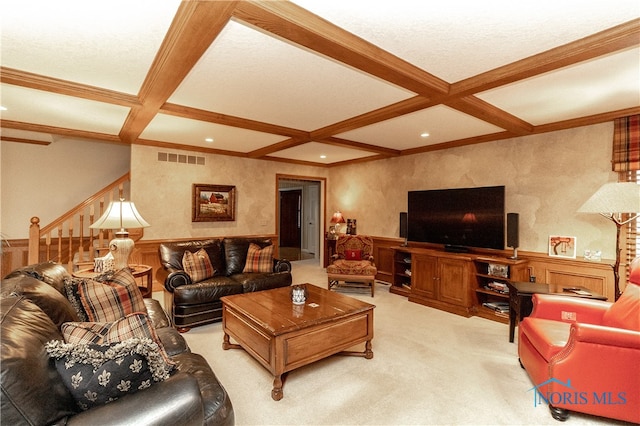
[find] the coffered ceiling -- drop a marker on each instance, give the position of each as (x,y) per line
(323,82)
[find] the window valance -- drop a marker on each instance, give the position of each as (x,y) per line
(626,144)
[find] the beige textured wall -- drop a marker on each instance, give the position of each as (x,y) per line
(46,181)
(547,178)
(162,192)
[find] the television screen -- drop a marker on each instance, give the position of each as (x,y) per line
(458,218)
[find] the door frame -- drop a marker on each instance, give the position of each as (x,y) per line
(323,214)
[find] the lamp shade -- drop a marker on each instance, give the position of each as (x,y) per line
(614,197)
(120,215)
(337,218)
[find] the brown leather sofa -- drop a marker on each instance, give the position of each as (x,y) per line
(193,304)
(32,310)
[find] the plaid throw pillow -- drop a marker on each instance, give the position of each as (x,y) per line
(111,300)
(136,325)
(197,265)
(259,260)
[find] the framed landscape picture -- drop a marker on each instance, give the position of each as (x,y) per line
(562,246)
(213,203)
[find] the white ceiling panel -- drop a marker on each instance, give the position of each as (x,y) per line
(249,74)
(441,123)
(105,44)
(322,153)
(167,128)
(457,39)
(604,84)
(38,107)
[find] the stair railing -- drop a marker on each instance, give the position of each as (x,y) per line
(70,234)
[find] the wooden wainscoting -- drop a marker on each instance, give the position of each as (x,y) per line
(596,276)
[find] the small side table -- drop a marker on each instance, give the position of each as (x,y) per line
(521,294)
(139,271)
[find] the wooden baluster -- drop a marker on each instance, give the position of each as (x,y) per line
(91,235)
(81,238)
(34,241)
(70,250)
(59,254)
(48,245)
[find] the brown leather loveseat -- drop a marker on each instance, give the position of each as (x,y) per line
(33,312)
(197,303)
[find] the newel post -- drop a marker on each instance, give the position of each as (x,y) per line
(34,241)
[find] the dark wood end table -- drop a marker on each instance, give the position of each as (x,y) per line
(521,294)
(138,271)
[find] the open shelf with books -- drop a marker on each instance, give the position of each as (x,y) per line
(492,291)
(401,272)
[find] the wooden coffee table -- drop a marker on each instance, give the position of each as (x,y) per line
(283,336)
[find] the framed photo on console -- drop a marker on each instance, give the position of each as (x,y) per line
(213,203)
(562,246)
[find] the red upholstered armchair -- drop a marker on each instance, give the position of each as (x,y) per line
(353,262)
(584,355)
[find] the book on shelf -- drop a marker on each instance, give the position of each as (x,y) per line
(502,307)
(498,287)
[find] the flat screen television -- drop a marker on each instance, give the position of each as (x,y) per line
(459,218)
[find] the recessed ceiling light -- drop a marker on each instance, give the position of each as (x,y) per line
(424,135)
(323,156)
(208,140)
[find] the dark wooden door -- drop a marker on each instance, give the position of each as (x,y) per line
(290,218)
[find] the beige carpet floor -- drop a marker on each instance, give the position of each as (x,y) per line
(429,368)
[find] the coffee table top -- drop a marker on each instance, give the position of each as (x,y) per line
(275,312)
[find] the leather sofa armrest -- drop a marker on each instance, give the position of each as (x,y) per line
(608,336)
(176,401)
(281,265)
(175,279)
(568,308)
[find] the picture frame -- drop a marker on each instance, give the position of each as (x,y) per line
(213,203)
(497,270)
(562,246)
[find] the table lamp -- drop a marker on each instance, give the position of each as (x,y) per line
(337,219)
(120,215)
(612,201)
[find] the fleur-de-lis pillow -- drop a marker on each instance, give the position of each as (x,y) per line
(98,374)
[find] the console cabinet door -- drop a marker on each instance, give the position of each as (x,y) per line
(453,285)
(423,275)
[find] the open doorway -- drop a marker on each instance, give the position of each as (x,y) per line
(300,217)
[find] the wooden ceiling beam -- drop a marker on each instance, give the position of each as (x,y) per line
(610,40)
(397,109)
(194,27)
(63,87)
(482,110)
(229,120)
(293,23)
(62,131)
(22,140)
(286,144)
(387,152)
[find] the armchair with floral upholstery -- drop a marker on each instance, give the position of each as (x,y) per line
(353,264)
(584,355)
